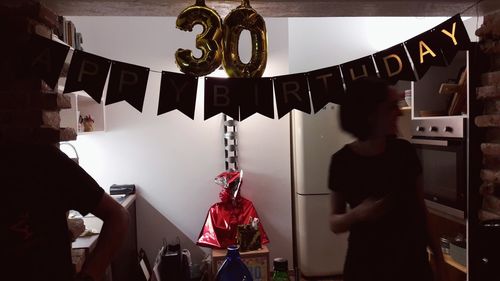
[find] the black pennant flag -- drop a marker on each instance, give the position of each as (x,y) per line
(425,52)
(221,97)
(393,64)
(326,86)
(127,82)
(452,37)
(44,58)
(256,96)
(356,69)
(177,91)
(291,93)
(87,72)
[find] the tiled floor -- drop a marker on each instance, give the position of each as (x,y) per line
(318,279)
(302,279)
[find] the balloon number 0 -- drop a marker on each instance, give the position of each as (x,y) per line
(219,42)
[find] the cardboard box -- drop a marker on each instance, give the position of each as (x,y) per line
(256,261)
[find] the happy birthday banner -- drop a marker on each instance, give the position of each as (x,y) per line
(240,98)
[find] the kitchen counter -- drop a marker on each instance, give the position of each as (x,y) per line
(84,245)
(95,224)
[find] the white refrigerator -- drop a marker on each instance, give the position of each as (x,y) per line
(315,138)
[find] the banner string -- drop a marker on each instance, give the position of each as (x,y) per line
(472,6)
(476,5)
(477,16)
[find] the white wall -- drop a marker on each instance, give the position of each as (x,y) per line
(322,42)
(173,159)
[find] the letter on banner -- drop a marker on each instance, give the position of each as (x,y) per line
(393,64)
(453,37)
(291,88)
(127,78)
(177,91)
(425,52)
(221,97)
(326,86)
(355,77)
(87,68)
(356,69)
(421,46)
(87,72)
(292,93)
(44,59)
(391,73)
(127,82)
(256,96)
(452,34)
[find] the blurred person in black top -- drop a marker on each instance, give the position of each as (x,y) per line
(40,184)
(378,176)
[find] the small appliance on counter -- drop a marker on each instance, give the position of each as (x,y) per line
(121,191)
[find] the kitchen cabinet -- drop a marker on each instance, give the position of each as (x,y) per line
(428,97)
(443,224)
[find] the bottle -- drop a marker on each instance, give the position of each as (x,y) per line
(233,268)
(280,271)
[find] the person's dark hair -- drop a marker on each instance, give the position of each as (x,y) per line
(358,108)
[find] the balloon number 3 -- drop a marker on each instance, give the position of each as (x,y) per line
(209,41)
(219,42)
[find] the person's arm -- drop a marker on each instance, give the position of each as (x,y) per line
(342,220)
(114,229)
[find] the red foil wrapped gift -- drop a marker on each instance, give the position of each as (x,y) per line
(220,228)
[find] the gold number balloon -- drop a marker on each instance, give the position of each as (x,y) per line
(244,17)
(209,41)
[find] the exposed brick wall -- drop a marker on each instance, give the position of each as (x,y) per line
(29,109)
(489,93)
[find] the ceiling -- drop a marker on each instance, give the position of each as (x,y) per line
(276,8)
